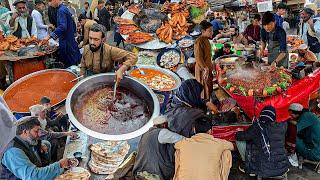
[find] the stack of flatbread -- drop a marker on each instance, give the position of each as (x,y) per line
(107,156)
(76,173)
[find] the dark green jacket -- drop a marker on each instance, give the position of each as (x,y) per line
(308,140)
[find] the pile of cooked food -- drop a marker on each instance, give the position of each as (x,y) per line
(126,29)
(75,173)
(123,21)
(173,8)
(294,41)
(197,3)
(107,156)
(176,28)
(155,79)
(12,43)
(139,38)
(134,9)
(249,81)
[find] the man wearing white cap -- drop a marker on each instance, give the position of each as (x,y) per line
(305,55)
(156,151)
(308,132)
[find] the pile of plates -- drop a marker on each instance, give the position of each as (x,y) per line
(107,156)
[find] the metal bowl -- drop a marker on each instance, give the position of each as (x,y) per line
(165,71)
(134,85)
(37,96)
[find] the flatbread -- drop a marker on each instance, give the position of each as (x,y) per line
(77,173)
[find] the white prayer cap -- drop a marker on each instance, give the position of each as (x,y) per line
(35,110)
(160,120)
(296,107)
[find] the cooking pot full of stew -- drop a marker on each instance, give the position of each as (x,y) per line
(92,108)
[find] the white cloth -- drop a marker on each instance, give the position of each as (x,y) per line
(43,123)
(167,137)
(23,24)
(7,125)
(286,26)
(42,29)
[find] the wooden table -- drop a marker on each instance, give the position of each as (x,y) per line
(19,66)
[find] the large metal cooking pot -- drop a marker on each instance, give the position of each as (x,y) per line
(98,80)
(35,96)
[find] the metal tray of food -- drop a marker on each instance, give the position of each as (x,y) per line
(165,71)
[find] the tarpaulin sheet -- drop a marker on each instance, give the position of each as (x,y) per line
(228,132)
(298,92)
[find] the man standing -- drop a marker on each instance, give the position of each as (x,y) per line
(252,32)
(104,15)
(202,156)
(276,38)
(155,150)
(86,24)
(99,57)
(87,12)
(36,14)
(309,30)
(281,11)
(22,157)
(23,25)
(69,52)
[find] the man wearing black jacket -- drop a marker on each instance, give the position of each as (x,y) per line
(104,15)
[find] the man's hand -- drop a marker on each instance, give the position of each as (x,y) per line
(206,74)
(14,16)
(72,134)
(273,65)
(44,148)
(120,73)
(310,22)
(250,38)
(63,163)
(213,108)
(51,26)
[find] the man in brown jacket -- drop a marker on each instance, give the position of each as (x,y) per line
(213,159)
(99,57)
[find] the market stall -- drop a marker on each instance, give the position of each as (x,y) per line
(23,56)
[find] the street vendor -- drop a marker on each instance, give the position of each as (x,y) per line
(276,38)
(204,65)
(22,24)
(99,57)
(308,132)
(305,55)
(69,52)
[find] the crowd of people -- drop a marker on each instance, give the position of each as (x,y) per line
(181,144)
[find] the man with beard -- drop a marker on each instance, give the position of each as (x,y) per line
(234,34)
(42,29)
(99,57)
(23,25)
(22,157)
(69,52)
(305,55)
(310,30)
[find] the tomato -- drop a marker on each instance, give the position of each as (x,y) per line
(279,90)
(232,89)
(265,93)
(250,92)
